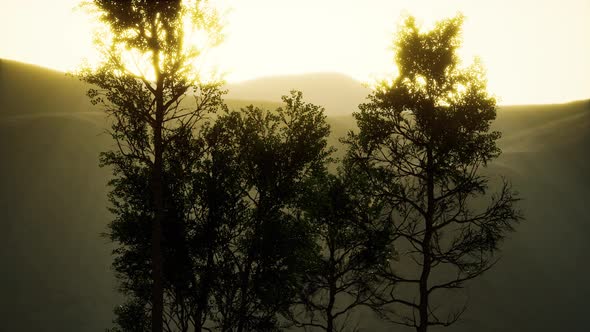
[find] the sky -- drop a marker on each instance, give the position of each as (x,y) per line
(535,51)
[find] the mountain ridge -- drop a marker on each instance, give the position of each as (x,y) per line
(315,86)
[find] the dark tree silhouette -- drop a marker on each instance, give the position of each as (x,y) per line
(422,140)
(235,251)
(353,235)
(269,249)
(144,100)
(199,204)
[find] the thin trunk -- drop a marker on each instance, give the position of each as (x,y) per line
(426,248)
(332,292)
(202,302)
(213,218)
(244,298)
(330,318)
(245,285)
(157,271)
(245,280)
(158,196)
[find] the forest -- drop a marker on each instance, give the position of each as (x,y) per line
(237,224)
(225,215)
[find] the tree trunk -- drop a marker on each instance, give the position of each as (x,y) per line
(203,299)
(157,271)
(245,280)
(330,322)
(332,290)
(158,196)
(426,248)
(330,308)
(244,299)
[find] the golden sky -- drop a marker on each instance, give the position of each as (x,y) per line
(535,51)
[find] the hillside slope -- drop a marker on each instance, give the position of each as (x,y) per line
(56,268)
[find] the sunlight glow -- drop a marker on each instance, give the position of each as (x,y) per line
(535,51)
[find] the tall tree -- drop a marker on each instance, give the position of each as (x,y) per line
(423,139)
(146,70)
(199,198)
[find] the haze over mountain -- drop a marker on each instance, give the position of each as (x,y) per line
(56,272)
(337,93)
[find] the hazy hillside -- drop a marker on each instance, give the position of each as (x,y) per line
(26,89)
(56,268)
(539,285)
(338,93)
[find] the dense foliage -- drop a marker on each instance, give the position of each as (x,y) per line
(144,101)
(236,222)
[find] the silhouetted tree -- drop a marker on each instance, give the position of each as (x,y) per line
(190,232)
(269,249)
(422,140)
(235,252)
(353,235)
(146,70)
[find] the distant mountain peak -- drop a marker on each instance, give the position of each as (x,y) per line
(338,93)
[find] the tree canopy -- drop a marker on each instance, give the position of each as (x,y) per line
(423,139)
(235,222)
(147,69)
